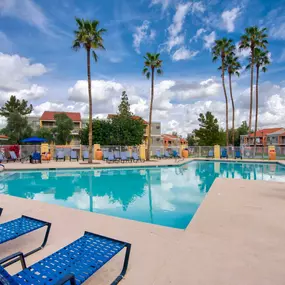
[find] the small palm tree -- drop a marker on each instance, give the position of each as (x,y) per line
(233,66)
(253,38)
(261,60)
(222,49)
(152,63)
(89,36)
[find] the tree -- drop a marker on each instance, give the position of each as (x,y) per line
(209,132)
(15,105)
(191,139)
(124,107)
(175,134)
(89,36)
(45,133)
(222,49)
(252,38)
(63,128)
(233,66)
(152,63)
(17,128)
(261,60)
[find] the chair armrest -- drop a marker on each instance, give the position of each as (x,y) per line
(68,277)
(19,255)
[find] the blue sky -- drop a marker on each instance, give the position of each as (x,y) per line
(38,64)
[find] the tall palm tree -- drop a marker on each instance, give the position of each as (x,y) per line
(220,50)
(251,39)
(89,36)
(152,64)
(233,66)
(261,60)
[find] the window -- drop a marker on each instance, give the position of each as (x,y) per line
(157,127)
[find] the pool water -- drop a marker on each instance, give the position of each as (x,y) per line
(167,196)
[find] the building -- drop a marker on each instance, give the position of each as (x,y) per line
(34,122)
(172,140)
(265,137)
(47,120)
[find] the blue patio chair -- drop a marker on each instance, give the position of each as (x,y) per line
(111,157)
(224,153)
(210,154)
(73,155)
(117,155)
(238,154)
(73,264)
(158,154)
(167,154)
(105,155)
(36,156)
(175,154)
(85,155)
(136,157)
(13,156)
(60,155)
(2,157)
(21,226)
(124,157)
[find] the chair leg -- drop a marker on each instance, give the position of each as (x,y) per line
(125,266)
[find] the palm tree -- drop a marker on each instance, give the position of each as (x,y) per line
(152,63)
(253,38)
(261,59)
(89,36)
(233,66)
(220,50)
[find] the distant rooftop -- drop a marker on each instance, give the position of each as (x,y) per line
(49,116)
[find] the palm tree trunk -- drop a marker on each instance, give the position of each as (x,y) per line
(251,93)
(90,107)
(227,105)
(256,106)
(233,109)
(150,116)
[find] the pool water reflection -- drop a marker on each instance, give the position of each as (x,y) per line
(167,196)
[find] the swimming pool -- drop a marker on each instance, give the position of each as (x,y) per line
(167,196)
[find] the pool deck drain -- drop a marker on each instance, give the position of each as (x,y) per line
(236,237)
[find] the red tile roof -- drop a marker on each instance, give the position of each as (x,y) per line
(110,116)
(265,132)
(49,116)
(3,137)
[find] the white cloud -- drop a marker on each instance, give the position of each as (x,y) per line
(27,11)
(282,56)
(242,54)
(198,7)
(183,54)
(209,40)
(163,3)
(277,31)
(229,18)
(142,34)
(197,35)
(5,43)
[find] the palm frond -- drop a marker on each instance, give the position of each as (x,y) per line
(95,56)
(159,71)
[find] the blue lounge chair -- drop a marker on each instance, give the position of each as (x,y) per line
(158,154)
(136,157)
(105,155)
(111,157)
(73,155)
(73,264)
(60,155)
(13,156)
(85,155)
(124,157)
(117,155)
(167,154)
(2,157)
(238,154)
(21,226)
(210,154)
(224,153)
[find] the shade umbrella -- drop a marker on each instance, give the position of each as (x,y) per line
(34,140)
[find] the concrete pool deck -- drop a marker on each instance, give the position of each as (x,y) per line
(236,237)
(103,164)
